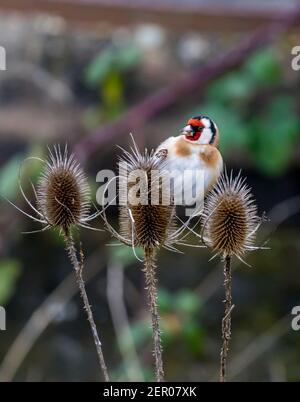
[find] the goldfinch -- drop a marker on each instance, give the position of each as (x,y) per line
(196,149)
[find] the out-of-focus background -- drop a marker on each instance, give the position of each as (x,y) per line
(89,72)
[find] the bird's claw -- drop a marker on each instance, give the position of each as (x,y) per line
(162,153)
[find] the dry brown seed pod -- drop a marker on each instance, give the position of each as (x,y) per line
(230,218)
(146,211)
(144,218)
(63,195)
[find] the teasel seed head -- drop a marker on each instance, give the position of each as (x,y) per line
(230,218)
(149,223)
(63,196)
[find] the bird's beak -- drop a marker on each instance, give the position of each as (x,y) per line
(187,130)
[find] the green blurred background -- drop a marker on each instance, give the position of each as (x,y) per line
(71,73)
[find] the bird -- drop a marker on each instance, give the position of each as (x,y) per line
(194,150)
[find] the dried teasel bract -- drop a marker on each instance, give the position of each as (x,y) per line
(144,218)
(229,219)
(62,194)
(147,216)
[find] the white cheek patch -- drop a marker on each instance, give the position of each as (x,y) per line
(205,136)
(206,122)
(206,132)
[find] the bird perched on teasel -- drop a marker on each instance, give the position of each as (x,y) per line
(195,149)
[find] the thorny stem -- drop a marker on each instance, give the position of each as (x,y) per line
(78,267)
(226,322)
(150,277)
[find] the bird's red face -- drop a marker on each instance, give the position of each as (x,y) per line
(193,129)
(201,130)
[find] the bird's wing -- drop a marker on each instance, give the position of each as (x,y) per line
(166,144)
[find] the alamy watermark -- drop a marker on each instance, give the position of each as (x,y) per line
(136,187)
(296,319)
(296,60)
(2,319)
(2,58)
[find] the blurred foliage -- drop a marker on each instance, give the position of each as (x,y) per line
(179,322)
(27,169)
(179,313)
(179,310)
(120,59)
(179,316)
(266,129)
(274,136)
(106,74)
(9,176)
(10,271)
(124,255)
(257,117)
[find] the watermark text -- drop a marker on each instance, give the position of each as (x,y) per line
(140,187)
(2,319)
(296,59)
(2,58)
(296,319)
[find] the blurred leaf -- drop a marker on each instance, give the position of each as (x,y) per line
(128,57)
(171,324)
(9,176)
(124,255)
(31,166)
(120,373)
(126,339)
(264,67)
(31,169)
(234,87)
(99,68)
(193,335)
(112,94)
(149,374)
(112,88)
(141,332)
(10,270)
(165,301)
(56,237)
(117,59)
(233,134)
(274,137)
(187,302)
(167,335)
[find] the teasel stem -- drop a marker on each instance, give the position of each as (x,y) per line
(151,281)
(226,322)
(78,267)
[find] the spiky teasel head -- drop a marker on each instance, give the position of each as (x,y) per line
(63,195)
(146,217)
(230,218)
